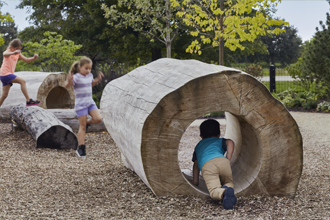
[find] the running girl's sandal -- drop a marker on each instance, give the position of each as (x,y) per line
(32,102)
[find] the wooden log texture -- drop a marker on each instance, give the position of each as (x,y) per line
(147,111)
(44,127)
(47,87)
(69,117)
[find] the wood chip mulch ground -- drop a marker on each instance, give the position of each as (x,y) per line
(56,184)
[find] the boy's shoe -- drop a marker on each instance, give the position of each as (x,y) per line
(229,199)
(81,151)
(32,102)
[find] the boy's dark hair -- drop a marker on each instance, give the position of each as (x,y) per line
(209,128)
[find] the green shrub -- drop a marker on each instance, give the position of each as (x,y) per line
(309,104)
(254,70)
(214,114)
(291,99)
(323,106)
(287,101)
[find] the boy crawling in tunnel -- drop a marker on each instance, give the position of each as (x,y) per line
(209,158)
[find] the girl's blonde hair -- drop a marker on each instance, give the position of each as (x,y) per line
(74,68)
(15,43)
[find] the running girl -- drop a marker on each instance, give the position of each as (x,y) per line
(7,76)
(81,78)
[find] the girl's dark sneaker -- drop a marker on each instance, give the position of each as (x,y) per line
(81,151)
(32,102)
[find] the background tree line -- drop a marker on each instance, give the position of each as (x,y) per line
(313,65)
(116,36)
(121,35)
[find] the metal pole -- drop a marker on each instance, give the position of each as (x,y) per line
(272,81)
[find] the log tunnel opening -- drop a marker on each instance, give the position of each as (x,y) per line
(60,98)
(188,141)
(57,137)
(246,160)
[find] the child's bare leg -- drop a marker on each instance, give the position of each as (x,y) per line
(82,129)
(23,87)
(5,91)
(96,117)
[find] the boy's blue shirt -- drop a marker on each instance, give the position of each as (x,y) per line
(208,149)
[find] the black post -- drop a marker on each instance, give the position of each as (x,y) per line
(272,81)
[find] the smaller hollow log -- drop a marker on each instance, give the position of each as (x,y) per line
(69,117)
(44,127)
(47,87)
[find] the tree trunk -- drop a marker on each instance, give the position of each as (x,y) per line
(168,28)
(221,43)
(221,53)
(69,117)
(147,111)
(168,48)
(44,127)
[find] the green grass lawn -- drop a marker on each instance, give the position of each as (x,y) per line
(278,72)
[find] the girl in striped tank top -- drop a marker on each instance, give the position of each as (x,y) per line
(81,78)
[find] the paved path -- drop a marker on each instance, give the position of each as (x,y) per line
(316,123)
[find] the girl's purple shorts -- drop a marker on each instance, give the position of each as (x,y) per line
(83,112)
(6,80)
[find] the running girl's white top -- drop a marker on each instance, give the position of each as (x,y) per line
(82,86)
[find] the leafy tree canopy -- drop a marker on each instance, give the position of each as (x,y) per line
(226,23)
(316,56)
(55,53)
(5,19)
(83,22)
(157,19)
(314,63)
(8,30)
(283,47)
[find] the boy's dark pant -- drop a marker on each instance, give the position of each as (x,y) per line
(217,173)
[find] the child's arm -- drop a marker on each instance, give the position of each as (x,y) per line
(69,81)
(195,180)
(230,148)
(98,79)
(28,59)
(7,53)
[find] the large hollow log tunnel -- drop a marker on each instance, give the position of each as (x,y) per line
(147,111)
(47,87)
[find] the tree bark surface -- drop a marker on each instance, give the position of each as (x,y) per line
(44,127)
(69,117)
(147,111)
